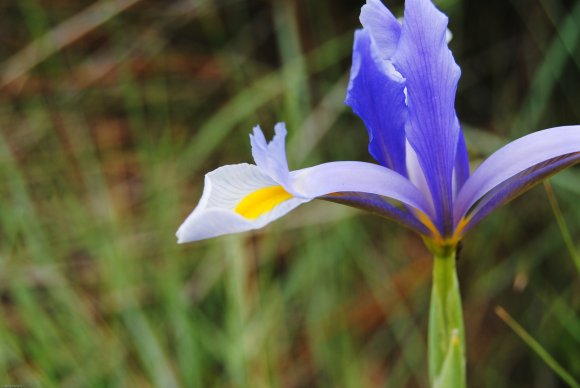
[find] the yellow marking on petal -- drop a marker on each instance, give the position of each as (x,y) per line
(261,201)
(437,243)
(424,218)
(460,226)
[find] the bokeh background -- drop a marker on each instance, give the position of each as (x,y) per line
(111,111)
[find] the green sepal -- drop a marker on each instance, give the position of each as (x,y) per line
(452,374)
(446,331)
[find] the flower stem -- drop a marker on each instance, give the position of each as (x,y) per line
(446,332)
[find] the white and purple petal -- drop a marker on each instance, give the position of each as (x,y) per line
(224,189)
(244,197)
(517,185)
(271,156)
(337,177)
(514,158)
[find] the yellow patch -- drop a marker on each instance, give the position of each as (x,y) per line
(261,201)
(459,230)
(436,242)
(425,220)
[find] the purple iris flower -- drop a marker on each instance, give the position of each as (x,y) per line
(402,85)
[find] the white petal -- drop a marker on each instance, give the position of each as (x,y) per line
(215,215)
(448,35)
(416,175)
(271,156)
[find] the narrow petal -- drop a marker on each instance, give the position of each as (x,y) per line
(461,170)
(515,186)
(236,198)
(382,25)
(271,157)
(376,94)
(431,74)
(514,158)
(378,205)
(340,177)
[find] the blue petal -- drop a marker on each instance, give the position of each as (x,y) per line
(514,158)
(383,27)
(378,205)
(431,74)
(461,172)
(376,94)
(519,184)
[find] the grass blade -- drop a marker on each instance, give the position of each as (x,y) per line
(536,347)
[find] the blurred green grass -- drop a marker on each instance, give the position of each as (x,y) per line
(112,111)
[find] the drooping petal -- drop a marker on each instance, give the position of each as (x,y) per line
(515,186)
(271,157)
(431,74)
(340,177)
(243,197)
(514,158)
(236,198)
(382,25)
(376,94)
(378,205)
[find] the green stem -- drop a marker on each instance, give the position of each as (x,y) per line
(446,332)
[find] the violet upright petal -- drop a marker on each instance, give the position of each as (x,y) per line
(431,74)
(382,26)
(512,159)
(376,94)
(517,185)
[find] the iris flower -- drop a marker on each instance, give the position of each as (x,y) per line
(402,85)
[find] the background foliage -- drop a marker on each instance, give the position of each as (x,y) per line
(111,111)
